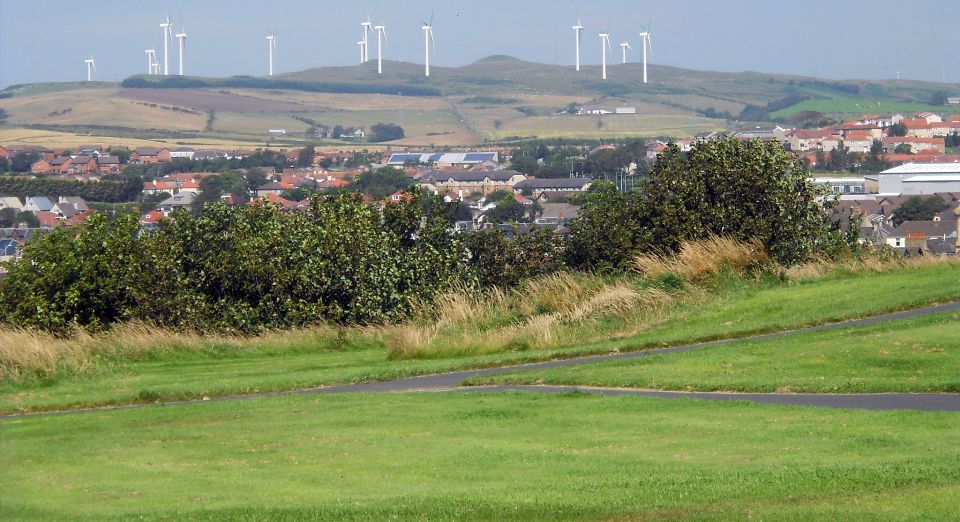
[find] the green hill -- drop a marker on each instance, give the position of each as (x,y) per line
(492,99)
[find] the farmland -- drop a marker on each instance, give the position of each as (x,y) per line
(454,110)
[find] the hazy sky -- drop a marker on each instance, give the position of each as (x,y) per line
(47,40)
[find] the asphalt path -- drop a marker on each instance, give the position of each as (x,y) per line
(448,382)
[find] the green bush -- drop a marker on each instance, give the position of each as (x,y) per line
(243,269)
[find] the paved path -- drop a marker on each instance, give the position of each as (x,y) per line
(452,381)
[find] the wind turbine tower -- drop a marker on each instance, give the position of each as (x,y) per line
(605,44)
(91,67)
(623,47)
(361,44)
(366,40)
(427,29)
(182,40)
(645,38)
(381,34)
(271,48)
(151,61)
(167,28)
(577,29)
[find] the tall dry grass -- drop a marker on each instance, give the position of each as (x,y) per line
(820,267)
(698,259)
(544,313)
(28,354)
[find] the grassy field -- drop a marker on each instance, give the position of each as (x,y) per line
(916,355)
(128,372)
(857,106)
(476,456)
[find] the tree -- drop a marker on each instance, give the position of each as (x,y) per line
(337,131)
(508,210)
(918,208)
(903,148)
(380,183)
(255,178)
(3,115)
(305,156)
(213,187)
(938,98)
(27,218)
(897,129)
(123,155)
(4,165)
(386,132)
(8,217)
(498,195)
(21,162)
(876,149)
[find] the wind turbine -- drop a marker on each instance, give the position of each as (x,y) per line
(366,40)
(182,40)
(577,29)
(623,47)
(604,45)
(645,38)
(427,29)
(361,44)
(271,47)
(167,28)
(381,34)
(151,61)
(91,68)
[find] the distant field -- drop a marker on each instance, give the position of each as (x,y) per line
(55,139)
(462,456)
(613,126)
(855,106)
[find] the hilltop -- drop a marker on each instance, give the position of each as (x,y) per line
(492,99)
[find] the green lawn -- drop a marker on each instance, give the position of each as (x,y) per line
(479,456)
(915,355)
(750,309)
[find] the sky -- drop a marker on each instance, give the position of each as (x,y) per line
(47,40)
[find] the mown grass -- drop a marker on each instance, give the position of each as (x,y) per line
(733,307)
(852,105)
(480,456)
(913,355)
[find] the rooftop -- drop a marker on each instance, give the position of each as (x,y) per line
(925,168)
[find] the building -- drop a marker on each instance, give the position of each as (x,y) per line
(936,145)
(37,204)
(149,155)
(443,159)
(843,185)
(465,183)
(803,140)
(176,201)
(538,186)
(11,202)
(625,110)
(182,153)
(108,164)
(913,179)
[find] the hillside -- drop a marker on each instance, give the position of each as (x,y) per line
(493,99)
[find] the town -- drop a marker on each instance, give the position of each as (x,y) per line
(874,164)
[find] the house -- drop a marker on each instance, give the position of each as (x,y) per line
(182,153)
(37,204)
(274,187)
(11,202)
(859,141)
(936,145)
(776,133)
(48,219)
(625,110)
(209,155)
(77,202)
(803,140)
(920,178)
(881,120)
(929,117)
(108,164)
(538,186)
(149,155)
(81,165)
(58,165)
(462,183)
(874,131)
(156,187)
(183,200)
(919,128)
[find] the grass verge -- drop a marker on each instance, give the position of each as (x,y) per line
(479,456)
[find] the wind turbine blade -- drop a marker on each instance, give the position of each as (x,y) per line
(431,19)
(384,36)
(434,42)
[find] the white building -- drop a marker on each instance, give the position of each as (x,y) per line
(913,179)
